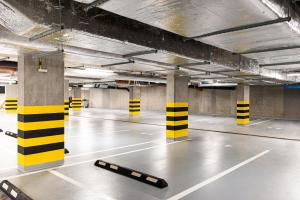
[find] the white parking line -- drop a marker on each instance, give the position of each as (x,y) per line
(76,136)
(80,185)
(92,160)
(88,153)
(216,177)
(105,150)
(66,178)
(259,122)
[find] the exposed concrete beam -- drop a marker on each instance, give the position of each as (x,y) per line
(110,25)
(106,24)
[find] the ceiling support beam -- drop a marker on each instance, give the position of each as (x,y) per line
(157,63)
(270,50)
(95,4)
(110,25)
(54,28)
(244,27)
(194,64)
(119,63)
(279,64)
(140,53)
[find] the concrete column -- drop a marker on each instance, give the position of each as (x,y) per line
(40,111)
(66,99)
(177,105)
(243,104)
(76,99)
(11,98)
(134,100)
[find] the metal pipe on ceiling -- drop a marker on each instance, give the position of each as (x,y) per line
(117,64)
(279,64)
(244,27)
(140,53)
(194,64)
(270,50)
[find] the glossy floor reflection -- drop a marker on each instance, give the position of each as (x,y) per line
(110,135)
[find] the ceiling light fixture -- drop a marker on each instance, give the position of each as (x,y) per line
(89,72)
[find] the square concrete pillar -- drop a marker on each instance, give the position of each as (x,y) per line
(177,105)
(134,100)
(243,104)
(76,99)
(11,98)
(40,111)
(66,99)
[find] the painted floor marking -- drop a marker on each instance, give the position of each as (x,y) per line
(76,136)
(259,122)
(80,185)
(216,177)
(105,150)
(66,178)
(88,153)
(92,160)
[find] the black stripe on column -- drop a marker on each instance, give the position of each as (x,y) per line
(134,102)
(134,106)
(177,109)
(134,110)
(180,118)
(175,128)
(243,105)
(40,148)
(13,101)
(242,117)
(40,133)
(11,104)
(40,117)
(242,111)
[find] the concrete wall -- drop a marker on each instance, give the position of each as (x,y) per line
(212,102)
(109,98)
(2,98)
(264,101)
(11,91)
(275,102)
(153,98)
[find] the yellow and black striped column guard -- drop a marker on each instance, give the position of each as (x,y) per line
(177,120)
(134,106)
(11,105)
(40,136)
(76,104)
(66,108)
(242,113)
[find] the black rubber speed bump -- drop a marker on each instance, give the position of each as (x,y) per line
(9,191)
(11,134)
(139,176)
(15,135)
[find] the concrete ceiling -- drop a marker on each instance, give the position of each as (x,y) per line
(186,18)
(196,17)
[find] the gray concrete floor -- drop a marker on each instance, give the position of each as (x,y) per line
(211,165)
